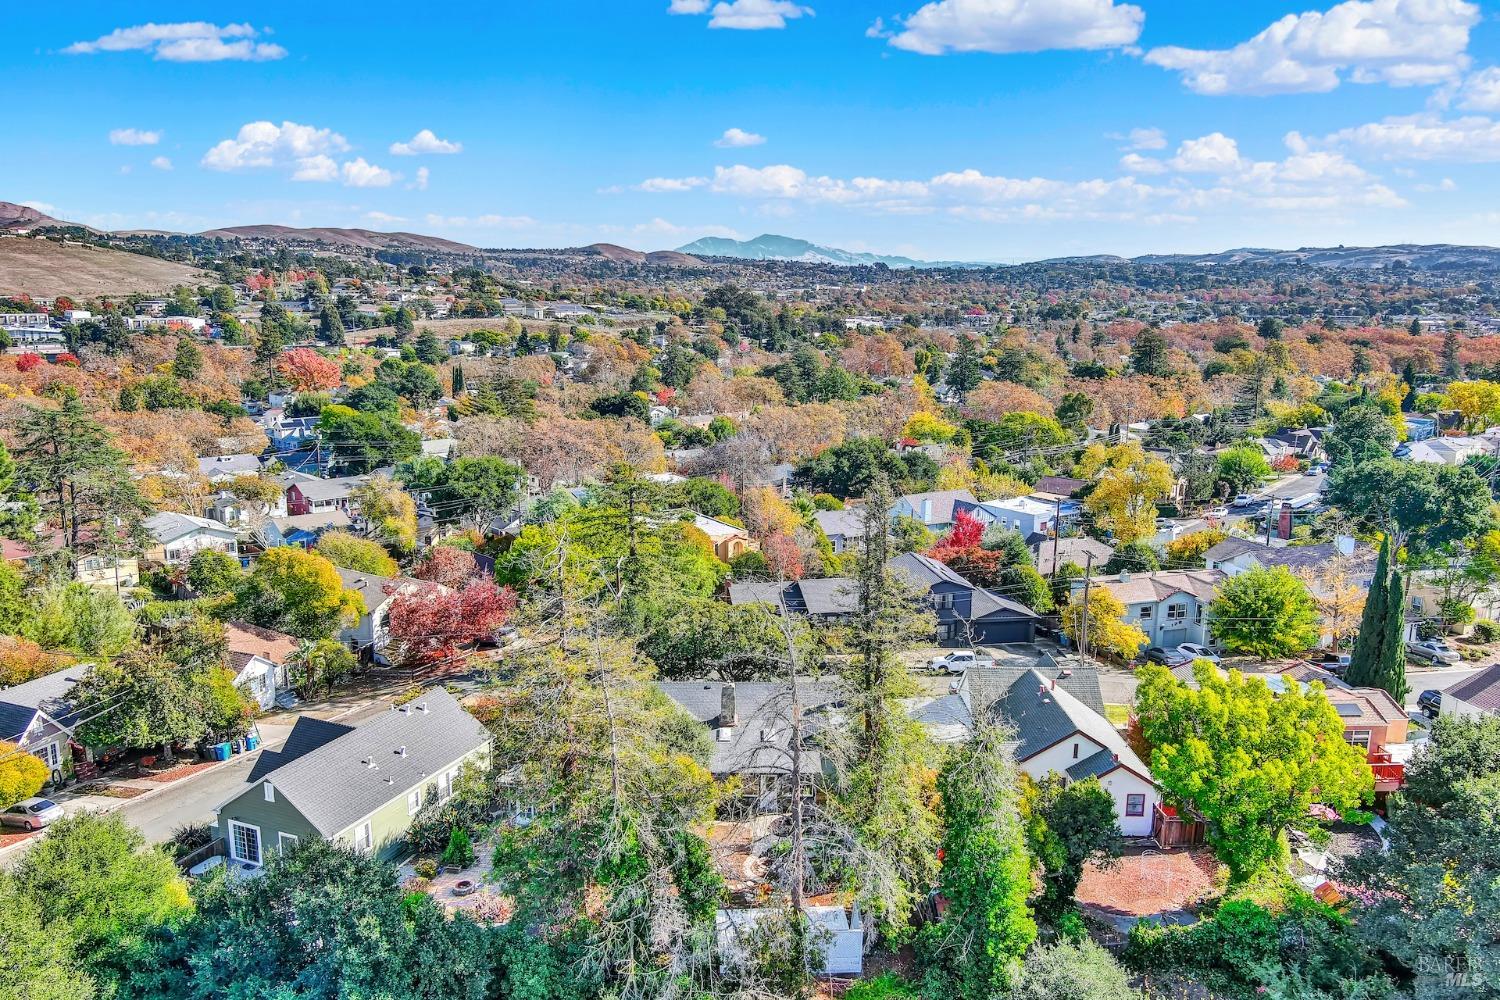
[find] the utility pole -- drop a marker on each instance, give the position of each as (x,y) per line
(1271,514)
(1056,530)
(1083,628)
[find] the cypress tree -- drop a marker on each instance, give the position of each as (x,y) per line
(1369,645)
(1391,674)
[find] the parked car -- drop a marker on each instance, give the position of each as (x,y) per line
(1198,651)
(1168,657)
(1243,500)
(1434,650)
(32,814)
(1217,513)
(1334,663)
(1429,703)
(959,661)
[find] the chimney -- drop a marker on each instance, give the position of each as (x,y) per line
(1124,576)
(1344,544)
(728,713)
(1284,529)
(927,511)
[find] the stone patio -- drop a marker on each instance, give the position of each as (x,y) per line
(484,903)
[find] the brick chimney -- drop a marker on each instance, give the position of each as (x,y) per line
(728,712)
(1284,527)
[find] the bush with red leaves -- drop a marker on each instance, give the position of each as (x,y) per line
(433,624)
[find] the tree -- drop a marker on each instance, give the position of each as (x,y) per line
(975,951)
(446,566)
(1186,552)
(18,510)
(37,960)
(1107,629)
(389,511)
(188,363)
(1422,506)
(469,490)
(359,554)
(1241,469)
(1265,612)
(305,370)
(1128,485)
(1072,970)
(1339,593)
(91,621)
(1133,557)
(93,880)
(1250,762)
(212,573)
(848,469)
(1453,367)
(432,624)
(22,774)
(1477,402)
(1149,353)
(317,667)
(1379,656)
(1068,825)
(963,371)
(151,702)
(1361,432)
(360,442)
(299,593)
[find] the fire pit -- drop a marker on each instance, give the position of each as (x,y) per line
(464,887)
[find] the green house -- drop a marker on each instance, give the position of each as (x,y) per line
(357,785)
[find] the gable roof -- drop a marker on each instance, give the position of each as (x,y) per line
(375,590)
(987,685)
(942,503)
(317,488)
(1043,714)
(1482,690)
(168,527)
(328,776)
(761,709)
(1148,588)
(925,572)
(1071,550)
(847,523)
(1290,556)
(229,465)
(47,694)
(243,637)
(1063,486)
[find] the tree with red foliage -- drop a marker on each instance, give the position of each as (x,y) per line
(967,532)
(67,360)
(447,566)
(306,370)
(433,624)
(783,556)
(27,362)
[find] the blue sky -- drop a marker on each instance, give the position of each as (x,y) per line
(956,129)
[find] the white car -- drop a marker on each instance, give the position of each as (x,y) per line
(1198,651)
(1435,650)
(958,662)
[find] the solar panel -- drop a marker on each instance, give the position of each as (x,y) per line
(1348,710)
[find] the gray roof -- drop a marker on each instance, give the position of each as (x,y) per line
(1071,550)
(48,694)
(375,590)
(229,465)
(760,737)
(167,526)
(834,595)
(325,771)
(942,503)
(758,592)
(1043,713)
(1290,556)
(846,523)
(315,488)
(314,521)
(924,571)
(1482,690)
(988,685)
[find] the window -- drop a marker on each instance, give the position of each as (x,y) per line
(244,842)
(944,633)
(285,842)
(270,792)
(1177,612)
(413,802)
(1135,804)
(1359,737)
(50,756)
(942,602)
(362,839)
(1146,613)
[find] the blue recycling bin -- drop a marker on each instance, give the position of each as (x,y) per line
(220,751)
(252,742)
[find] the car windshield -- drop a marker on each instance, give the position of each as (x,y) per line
(42,805)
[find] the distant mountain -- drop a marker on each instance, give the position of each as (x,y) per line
(364,239)
(772,247)
(625,255)
(1419,257)
(23,219)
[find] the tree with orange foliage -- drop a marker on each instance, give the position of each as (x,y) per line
(307,370)
(993,400)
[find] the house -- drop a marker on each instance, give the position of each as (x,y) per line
(844,528)
(179,536)
(1240,555)
(95,569)
(1475,695)
(1168,605)
(1023,514)
(839,932)
(1057,715)
(934,509)
(39,717)
(1419,428)
(1051,553)
(1378,725)
(1058,488)
(312,494)
(729,541)
(359,786)
(219,468)
(368,636)
(258,657)
(1444,450)
(302,530)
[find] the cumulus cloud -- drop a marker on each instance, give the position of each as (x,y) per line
(185,41)
(670,185)
(425,142)
(1397,42)
(743,15)
(1474,139)
(1481,91)
(316,168)
(1135,163)
(134,137)
(419,182)
(1003,26)
(358,173)
(266,144)
(1144,138)
(161,163)
(1211,154)
(383,218)
(734,138)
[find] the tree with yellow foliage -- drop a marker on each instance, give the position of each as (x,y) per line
(22,774)
(929,428)
(1478,401)
(1107,629)
(1128,485)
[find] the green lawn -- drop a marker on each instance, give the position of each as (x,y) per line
(1118,715)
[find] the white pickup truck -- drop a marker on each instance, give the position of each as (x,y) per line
(958,661)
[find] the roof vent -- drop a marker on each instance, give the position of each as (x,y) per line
(422,708)
(723,734)
(370,763)
(388,780)
(401,751)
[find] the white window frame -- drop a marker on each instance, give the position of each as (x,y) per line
(1364,743)
(1176,613)
(414,801)
(1147,613)
(260,846)
(283,840)
(1135,795)
(369,837)
(270,791)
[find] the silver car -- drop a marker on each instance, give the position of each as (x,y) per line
(32,814)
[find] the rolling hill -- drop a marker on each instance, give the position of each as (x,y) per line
(363,239)
(44,267)
(769,246)
(625,255)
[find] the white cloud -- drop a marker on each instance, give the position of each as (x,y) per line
(1145,138)
(185,41)
(661,227)
(1212,154)
(419,183)
(1481,91)
(383,218)
(1474,139)
(134,137)
(316,168)
(161,163)
(1446,184)
(1003,26)
(266,144)
(670,185)
(1135,163)
(358,173)
(1398,42)
(743,15)
(734,138)
(481,221)
(425,142)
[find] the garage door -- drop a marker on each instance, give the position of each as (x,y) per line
(1018,630)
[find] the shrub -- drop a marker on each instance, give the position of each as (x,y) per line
(427,868)
(886,986)
(460,850)
(1486,630)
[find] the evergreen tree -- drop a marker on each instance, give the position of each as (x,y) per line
(188,364)
(1452,367)
(331,325)
(1379,658)
(963,373)
(1391,674)
(1415,329)
(458,382)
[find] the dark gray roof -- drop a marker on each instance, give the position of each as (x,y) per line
(835,595)
(757,592)
(48,694)
(1290,556)
(924,571)
(1071,550)
(988,604)
(375,590)
(847,523)
(307,735)
(330,780)
(1098,763)
(1482,690)
(758,740)
(1042,713)
(987,685)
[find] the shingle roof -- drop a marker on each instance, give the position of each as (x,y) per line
(758,592)
(1071,550)
(375,590)
(215,465)
(1290,556)
(925,571)
(1143,588)
(833,595)
(987,685)
(1375,705)
(847,523)
(330,781)
(1043,714)
(47,694)
(168,526)
(1060,485)
(762,733)
(942,503)
(316,488)
(1482,690)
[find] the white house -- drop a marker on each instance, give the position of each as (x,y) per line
(1029,517)
(1168,606)
(1240,555)
(369,636)
(179,536)
(1474,696)
(1446,450)
(840,933)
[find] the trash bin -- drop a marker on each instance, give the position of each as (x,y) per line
(252,741)
(219,751)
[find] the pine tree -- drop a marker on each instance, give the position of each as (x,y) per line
(1452,367)
(458,381)
(963,373)
(1369,645)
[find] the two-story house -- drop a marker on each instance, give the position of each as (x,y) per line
(1032,518)
(1169,606)
(935,509)
(313,495)
(176,537)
